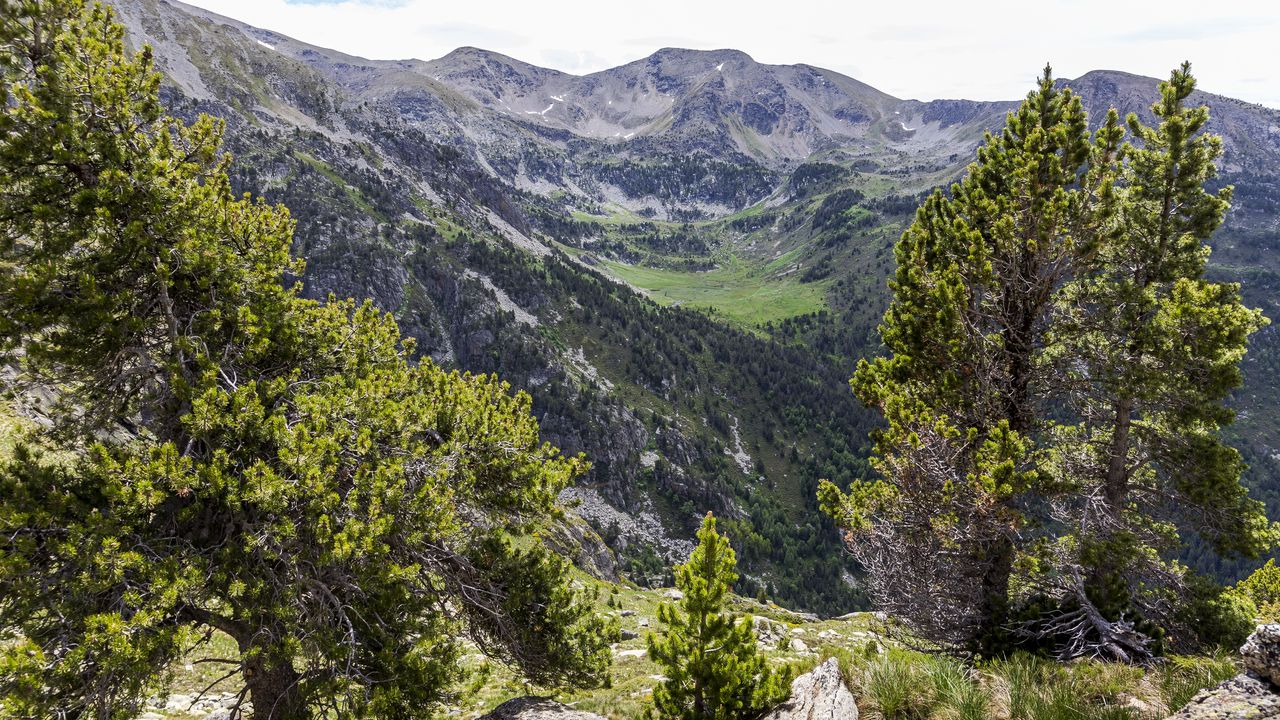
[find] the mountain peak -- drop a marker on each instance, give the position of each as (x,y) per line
(689,54)
(469,57)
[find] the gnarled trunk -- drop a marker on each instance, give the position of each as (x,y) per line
(274,687)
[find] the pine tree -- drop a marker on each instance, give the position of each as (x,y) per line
(1151,350)
(227,456)
(708,653)
(964,385)
(1054,391)
(1262,587)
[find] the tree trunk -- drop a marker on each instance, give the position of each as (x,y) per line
(274,688)
(1117,480)
(994,610)
(1104,581)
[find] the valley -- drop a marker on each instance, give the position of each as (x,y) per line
(681,259)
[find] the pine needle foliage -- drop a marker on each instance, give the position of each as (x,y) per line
(227,456)
(963,384)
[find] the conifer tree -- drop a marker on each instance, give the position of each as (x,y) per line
(1262,587)
(1054,391)
(709,654)
(227,456)
(964,384)
(1150,350)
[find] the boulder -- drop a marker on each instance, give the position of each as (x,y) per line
(1252,695)
(818,695)
(1240,698)
(767,631)
(573,538)
(1261,654)
(537,708)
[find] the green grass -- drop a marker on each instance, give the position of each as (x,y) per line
(899,684)
(735,291)
(620,217)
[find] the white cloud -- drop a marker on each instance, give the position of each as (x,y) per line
(926,49)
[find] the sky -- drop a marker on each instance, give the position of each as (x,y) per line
(923,49)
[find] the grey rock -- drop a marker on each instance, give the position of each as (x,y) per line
(1240,698)
(1261,653)
(798,645)
(767,631)
(1252,695)
(537,708)
(575,539)
(818,695)
(630,634)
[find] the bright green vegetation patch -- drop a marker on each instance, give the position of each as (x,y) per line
(620,217)
(352,193)
(734,292)
(10,428)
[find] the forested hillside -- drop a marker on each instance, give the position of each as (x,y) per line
(681,259)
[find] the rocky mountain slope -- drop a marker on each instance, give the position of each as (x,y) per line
(680,258)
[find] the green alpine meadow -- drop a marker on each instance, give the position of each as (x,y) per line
(689,388)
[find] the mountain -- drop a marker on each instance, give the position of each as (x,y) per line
(680,259)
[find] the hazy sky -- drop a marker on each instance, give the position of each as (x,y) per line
(927,49)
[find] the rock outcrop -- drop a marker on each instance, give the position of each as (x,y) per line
(1261,653)
(575,539)
(818,695)
(1243,697)
(1251,695)
(536,708)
